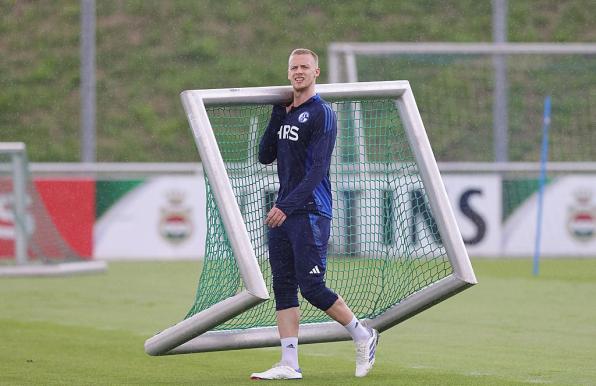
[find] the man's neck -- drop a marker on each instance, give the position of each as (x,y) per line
(302,96)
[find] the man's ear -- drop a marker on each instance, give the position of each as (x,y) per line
(317,72)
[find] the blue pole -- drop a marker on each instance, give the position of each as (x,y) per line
(541,184)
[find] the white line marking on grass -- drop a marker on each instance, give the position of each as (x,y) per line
(478,373)
(322,354)
(538,380)
(421,367)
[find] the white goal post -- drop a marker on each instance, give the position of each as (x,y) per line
(18,164)
(193,335)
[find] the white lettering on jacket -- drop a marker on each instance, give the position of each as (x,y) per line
(288,132)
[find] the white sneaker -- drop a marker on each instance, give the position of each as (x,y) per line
(278,371)
(365,353)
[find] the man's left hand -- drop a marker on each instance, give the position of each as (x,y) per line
(275,217)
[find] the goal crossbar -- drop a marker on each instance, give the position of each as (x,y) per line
(193,335)
(390,48)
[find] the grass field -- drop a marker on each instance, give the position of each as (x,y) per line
(512,328)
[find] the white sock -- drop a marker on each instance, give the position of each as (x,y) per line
(357,330)
(289,352)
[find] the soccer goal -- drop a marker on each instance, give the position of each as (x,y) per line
(30,243)
(485,96)
(395,248)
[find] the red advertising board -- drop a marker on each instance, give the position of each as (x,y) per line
(71,206)
(60,214)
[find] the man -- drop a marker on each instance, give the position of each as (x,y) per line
(301,137)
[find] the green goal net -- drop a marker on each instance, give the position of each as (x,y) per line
(395,248)
(30,242)
(385,244)
(43,241)
(483,107)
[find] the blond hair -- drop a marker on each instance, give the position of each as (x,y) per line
(305,51)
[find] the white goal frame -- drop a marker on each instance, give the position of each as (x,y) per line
(19,171)
(193,335)
(343,68)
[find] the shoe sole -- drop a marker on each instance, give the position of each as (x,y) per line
(274,379)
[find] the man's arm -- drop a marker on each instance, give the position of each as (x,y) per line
(321,147)
(268,144)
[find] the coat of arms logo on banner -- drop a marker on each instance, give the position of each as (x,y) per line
(581,221)
(175,224)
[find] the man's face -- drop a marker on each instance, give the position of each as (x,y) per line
(302,71)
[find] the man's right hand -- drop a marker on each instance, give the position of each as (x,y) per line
(279,111)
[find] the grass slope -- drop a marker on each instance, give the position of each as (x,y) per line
(149,50)
(512,328)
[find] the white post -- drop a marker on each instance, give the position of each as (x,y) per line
(19,186)
(500,98)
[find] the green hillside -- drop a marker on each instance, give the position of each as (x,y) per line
(150,50)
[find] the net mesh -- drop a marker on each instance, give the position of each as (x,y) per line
(455,93)
(45,244)
(384,245)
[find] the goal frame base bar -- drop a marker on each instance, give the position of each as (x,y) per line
(191,335)
(224,340)
(50,269)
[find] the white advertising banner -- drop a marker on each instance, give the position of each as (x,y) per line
(569,220)
(163,218)
(476,203)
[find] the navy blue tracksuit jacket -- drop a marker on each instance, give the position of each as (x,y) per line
(302,141)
